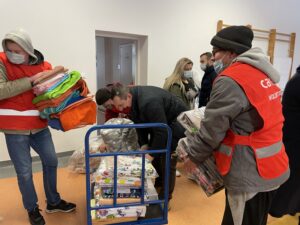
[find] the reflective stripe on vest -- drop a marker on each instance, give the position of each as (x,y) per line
(268,158)
(260,152)
(11,112)
(269,150)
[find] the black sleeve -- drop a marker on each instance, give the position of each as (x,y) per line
(143,134)
(154,113)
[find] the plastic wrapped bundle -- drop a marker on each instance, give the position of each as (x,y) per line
(120,140)
(128,166)
(77,160)
(191,119)
(120,212)
(208,177)
(206,174)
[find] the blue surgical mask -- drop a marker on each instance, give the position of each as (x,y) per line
(15,58)
(188,74)
(203,66)
(218,66)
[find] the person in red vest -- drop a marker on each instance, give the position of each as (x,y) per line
(20,66)
(243,128)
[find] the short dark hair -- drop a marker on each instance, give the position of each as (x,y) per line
(111,85)
(208,55)
(102,95)
(120,91)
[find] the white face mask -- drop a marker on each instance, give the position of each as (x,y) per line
(203,66)
(15,58)
(188,73)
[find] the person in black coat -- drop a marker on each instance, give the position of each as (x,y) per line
(287,198)
(206,65)
(151,104)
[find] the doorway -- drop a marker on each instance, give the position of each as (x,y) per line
(120,58)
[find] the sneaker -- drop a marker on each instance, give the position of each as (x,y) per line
(178,174)
(35,217)
(63,206)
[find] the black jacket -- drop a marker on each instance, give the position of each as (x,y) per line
(287,198)
(206,85)
(291,108)
(155,105)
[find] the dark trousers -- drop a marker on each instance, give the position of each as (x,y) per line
(159,162)
(160,165)
(256,209)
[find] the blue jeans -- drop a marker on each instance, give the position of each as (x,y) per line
(19,151)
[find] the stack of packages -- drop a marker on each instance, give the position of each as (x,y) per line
(129,185)
(62,98)
(129,189)
(206,174)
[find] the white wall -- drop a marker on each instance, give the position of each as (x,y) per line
(65,32)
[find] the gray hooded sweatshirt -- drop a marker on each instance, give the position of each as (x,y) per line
(10,88)
(229,108)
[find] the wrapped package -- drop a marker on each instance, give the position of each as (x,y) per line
(206,174)
(128,166)
(191,119)
(119,212)
(104,196)
(125,194)
(120,140)
(77,160)
(121,182)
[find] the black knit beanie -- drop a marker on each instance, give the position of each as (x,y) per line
(102,95)
(234,38)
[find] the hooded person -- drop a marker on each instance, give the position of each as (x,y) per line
(242,128)
(20,66)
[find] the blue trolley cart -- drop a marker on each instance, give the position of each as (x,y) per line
(163,204)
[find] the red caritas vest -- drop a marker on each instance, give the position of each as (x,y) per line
(18,112)
(265,97)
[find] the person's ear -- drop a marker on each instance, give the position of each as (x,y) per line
(232,55)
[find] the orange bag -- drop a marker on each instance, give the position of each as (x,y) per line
(78,114)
